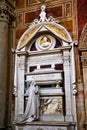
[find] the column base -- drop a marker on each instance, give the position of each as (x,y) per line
(2,128)
(69,118)
(9,127)
(6,128)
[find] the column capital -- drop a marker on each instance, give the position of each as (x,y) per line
(66,57)
(66,60)
(6,12)
(84,61)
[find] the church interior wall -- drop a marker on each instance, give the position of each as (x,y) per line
(72,14)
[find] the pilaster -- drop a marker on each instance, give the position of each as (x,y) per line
(20,90)
(66,60)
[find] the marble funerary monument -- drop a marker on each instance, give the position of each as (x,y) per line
(45,77)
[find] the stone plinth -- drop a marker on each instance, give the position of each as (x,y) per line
(46,126)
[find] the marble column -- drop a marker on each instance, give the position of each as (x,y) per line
(9,96)
(6,14)
(67,85)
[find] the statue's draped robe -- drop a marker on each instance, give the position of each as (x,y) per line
(32,108)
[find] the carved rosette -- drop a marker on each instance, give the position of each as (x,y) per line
(7,12)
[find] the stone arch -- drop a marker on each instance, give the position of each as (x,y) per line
(83,55)
(83,38)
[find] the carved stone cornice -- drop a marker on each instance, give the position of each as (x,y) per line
(6,12)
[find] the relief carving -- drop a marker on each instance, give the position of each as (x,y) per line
(51,106)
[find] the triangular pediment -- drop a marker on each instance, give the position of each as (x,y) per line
(44,24)
(53,28)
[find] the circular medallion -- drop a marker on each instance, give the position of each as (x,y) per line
(45,42)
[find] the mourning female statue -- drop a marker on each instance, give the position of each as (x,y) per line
(32,107)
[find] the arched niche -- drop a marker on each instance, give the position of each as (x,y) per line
(83,59)
(51,65)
